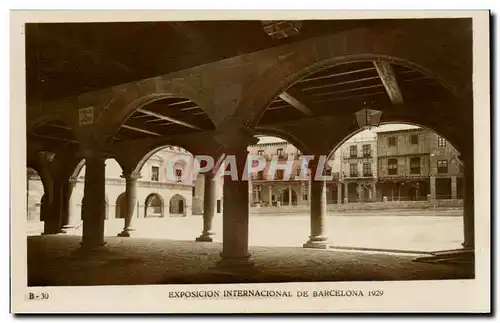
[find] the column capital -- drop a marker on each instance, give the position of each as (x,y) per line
(131,176)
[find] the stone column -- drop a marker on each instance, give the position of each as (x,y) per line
(374,191)
(94,202)
(432,187)
(346,192)
(318,238)
(339,193)
(270,195)
(289,195)
(468,197)
(53,218)
(130,200)
(454,187)
(71,217)
(208,208)
(235,213)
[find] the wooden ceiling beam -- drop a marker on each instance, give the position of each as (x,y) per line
(161,116)
(388,78)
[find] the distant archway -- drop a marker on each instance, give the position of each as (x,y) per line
(153,207)
(285,197)
(177,205)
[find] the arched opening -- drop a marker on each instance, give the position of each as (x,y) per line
(278,182)
(289,197)
(153,206)
(177,205)
(121,207)
(399,177)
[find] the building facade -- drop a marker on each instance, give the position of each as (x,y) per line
(359,169)
(417,164)
(158,195)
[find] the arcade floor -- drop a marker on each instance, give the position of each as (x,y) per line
(54,260)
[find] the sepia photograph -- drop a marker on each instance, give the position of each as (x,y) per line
(319,164)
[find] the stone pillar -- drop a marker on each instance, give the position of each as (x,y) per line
(270,195)
(208,208)
(432,187)
(53,218)
(235,213)
(346,192)
(468,197)
(289,195)
(374,191)
(339,193)
(454,187)
(130,202)
(318,238)
(94,202)
(71,217)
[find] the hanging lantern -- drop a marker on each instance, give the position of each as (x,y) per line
(368,118)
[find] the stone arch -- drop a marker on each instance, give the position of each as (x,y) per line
(78,168)
(132,96)
(120,207)
(275,132)
(137,168)
(354,45)
(177,205)
(154,206)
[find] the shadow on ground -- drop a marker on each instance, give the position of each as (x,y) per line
(57,261)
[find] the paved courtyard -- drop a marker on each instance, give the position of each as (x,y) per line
(406,230)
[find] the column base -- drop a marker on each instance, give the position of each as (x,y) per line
(318,242)
(125,233)
(205,237)
(237,264)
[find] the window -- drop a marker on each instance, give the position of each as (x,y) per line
(155,173)
(260,175)
(178,174)
(353,151)
(415,165)
(367,150)
(414,139)
(441,142)
(393,166)
(367,169)
(353,170)
(279,152)
(442,166)
(260,152)
(280,173)
(305,196)
(391,141)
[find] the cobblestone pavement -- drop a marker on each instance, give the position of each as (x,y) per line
(55,260)
(401,230)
